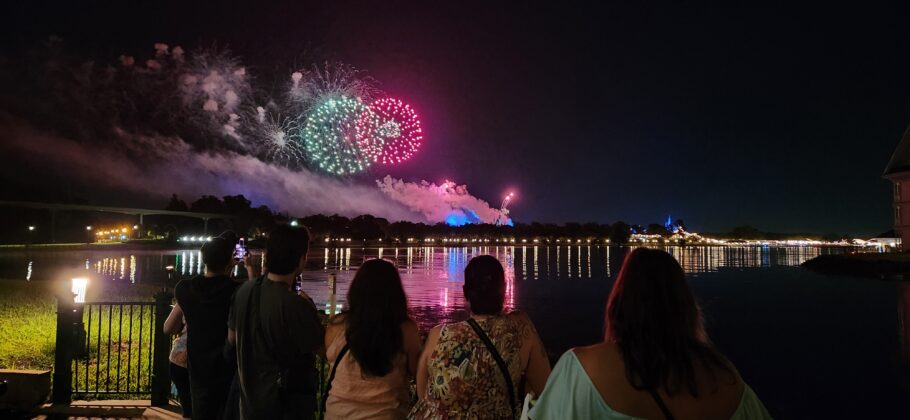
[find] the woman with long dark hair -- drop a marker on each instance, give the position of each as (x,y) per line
(372,347)
(656,360)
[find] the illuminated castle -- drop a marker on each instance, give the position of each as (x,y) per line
(898,172)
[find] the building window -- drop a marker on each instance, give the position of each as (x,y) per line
(897,215)
(897,191)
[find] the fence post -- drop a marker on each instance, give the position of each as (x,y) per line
(161,377)
(63,351)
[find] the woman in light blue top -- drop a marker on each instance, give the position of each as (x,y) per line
(656,361)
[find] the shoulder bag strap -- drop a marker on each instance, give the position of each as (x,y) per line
(502,364)
(660,403)
(328,385)
(254,318)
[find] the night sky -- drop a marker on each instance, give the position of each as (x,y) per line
(781,118)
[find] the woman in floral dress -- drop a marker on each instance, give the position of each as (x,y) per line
(458,377)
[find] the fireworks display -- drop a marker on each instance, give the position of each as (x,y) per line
(331,141)
(393,124)
(200,123)
(312,86)
(330,118)
(278,140)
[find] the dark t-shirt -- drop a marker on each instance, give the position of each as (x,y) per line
(276,350)
(206,303)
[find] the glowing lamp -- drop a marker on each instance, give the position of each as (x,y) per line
(80,284)
(294,223)
(88,227)
(31,228)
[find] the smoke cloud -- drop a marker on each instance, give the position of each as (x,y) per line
(161,166)
(447,201)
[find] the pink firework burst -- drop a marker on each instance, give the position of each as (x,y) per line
(393,124)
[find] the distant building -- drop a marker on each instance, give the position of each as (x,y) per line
(898,172)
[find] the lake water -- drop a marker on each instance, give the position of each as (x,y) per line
(811,345)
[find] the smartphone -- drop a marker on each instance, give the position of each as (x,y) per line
(240,250)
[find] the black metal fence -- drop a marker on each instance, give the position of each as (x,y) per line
(112,350)
(118,350)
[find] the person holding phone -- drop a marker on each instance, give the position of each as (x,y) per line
(277,334)
(205,301)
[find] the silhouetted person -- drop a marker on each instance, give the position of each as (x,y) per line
(656,361)
(277,334)
(180,375)
(206,301)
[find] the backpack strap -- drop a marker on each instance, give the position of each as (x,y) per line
(328,385)
(254,318)
(660,403)
(501,363)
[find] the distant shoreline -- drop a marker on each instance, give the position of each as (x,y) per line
(166,245)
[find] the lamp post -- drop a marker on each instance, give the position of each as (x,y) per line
(170,274)
(79,288)
(31,229)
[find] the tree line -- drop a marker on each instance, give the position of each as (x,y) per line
(257,221)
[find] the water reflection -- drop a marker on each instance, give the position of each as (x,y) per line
(697,259)
(433,273)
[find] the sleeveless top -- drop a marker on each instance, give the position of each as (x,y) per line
(356,396)
(464,381)
(570,394)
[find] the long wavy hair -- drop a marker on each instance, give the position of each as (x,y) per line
(653,317)
(377,308)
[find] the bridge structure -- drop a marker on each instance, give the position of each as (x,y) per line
(54,208)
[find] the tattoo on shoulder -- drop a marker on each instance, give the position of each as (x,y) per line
(527,329)
(529,332)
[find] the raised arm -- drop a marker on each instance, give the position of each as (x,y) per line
(173,325)
(251,270)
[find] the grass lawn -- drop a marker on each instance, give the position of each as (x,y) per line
(28,319)
(27,325)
